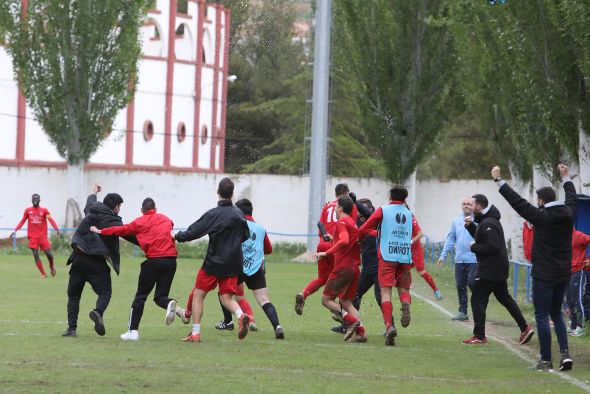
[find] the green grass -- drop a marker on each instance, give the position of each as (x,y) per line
(428,357)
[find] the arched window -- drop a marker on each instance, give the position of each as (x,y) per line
(148,130)
(181,132)
(204,135)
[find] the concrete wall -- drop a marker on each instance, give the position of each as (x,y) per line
(280,202)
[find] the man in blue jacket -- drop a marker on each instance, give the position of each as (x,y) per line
(465,261)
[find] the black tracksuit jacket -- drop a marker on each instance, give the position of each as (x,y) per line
(227,229)
(552,232)
(489,246)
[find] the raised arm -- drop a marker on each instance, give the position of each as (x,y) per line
(124,230)
(371,224)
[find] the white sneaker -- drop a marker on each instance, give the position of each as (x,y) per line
(170,312)
(131,335)
(578,332)
(180,313)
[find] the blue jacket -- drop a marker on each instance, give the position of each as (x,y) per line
(459,238)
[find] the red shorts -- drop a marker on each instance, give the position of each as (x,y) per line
(394,275)
(325,264)
(343,283)
(206,283)
(39,242)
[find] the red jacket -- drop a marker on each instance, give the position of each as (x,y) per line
(329,220)
(153,232)
(346,249)
(580,242)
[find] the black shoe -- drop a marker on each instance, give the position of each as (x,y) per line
(225,326)
(566,363)
(341,329)
(390,335)
(542,366)
(70,332)
(279,333)
(98,323)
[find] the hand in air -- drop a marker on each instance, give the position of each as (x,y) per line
(495,172)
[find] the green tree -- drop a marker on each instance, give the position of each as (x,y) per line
(399,62)
(76,63)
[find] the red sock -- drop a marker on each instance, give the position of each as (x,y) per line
(361,331)
(430,280)
(246,308)
(189,305)
(313,286)
(387,310)
(349,319)
(405,297)
(40,266)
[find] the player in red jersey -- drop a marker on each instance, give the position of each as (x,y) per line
(394,255)
(37,233)
(325,264)
(418,257)
(343,280)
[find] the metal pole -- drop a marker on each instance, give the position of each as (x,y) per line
(319,118)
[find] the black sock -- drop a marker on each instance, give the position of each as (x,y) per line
(227,318)
(271,313)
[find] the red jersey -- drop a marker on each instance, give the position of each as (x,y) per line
(329,219)
(417,249)
(153,232)
(37,226)
(346,250)
(580,242)
(527,240)
(375,221)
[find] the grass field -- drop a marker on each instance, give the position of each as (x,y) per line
(428,357)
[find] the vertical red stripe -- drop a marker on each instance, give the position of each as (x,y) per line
(170,82)
(129,133)
(198,80)
(21,110)
(213,132)
(224,90)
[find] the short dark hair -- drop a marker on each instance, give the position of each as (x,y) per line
(341,189)
(346,204)
(225,188)
(111,200)
(481,200)
(33,196)
(368,203)
(148,204)
(547,194)
(398,193)
(245,206)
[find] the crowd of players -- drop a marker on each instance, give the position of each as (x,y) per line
(384,241)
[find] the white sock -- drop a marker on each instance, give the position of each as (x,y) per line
(239,313)
(344,313)
(196,329)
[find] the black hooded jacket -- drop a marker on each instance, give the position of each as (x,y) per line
(227,229)
(84,241)
(552,229)
(489,246)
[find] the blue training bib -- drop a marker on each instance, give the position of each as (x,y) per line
(395,234)
(253,249)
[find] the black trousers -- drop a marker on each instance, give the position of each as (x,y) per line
(94,270)
(480,295)
(367,280)
(158,272)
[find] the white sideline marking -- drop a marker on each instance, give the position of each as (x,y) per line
(576,382)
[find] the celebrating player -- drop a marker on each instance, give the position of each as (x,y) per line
(343,280)
(37,233)
(227,229)
(395,257)
(153,232)
(325,264)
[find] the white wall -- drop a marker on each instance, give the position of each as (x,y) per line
(280,202)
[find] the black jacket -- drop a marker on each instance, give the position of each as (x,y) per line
(552,232)
(489,246)
(86,242)
(227,229)
(368,250)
